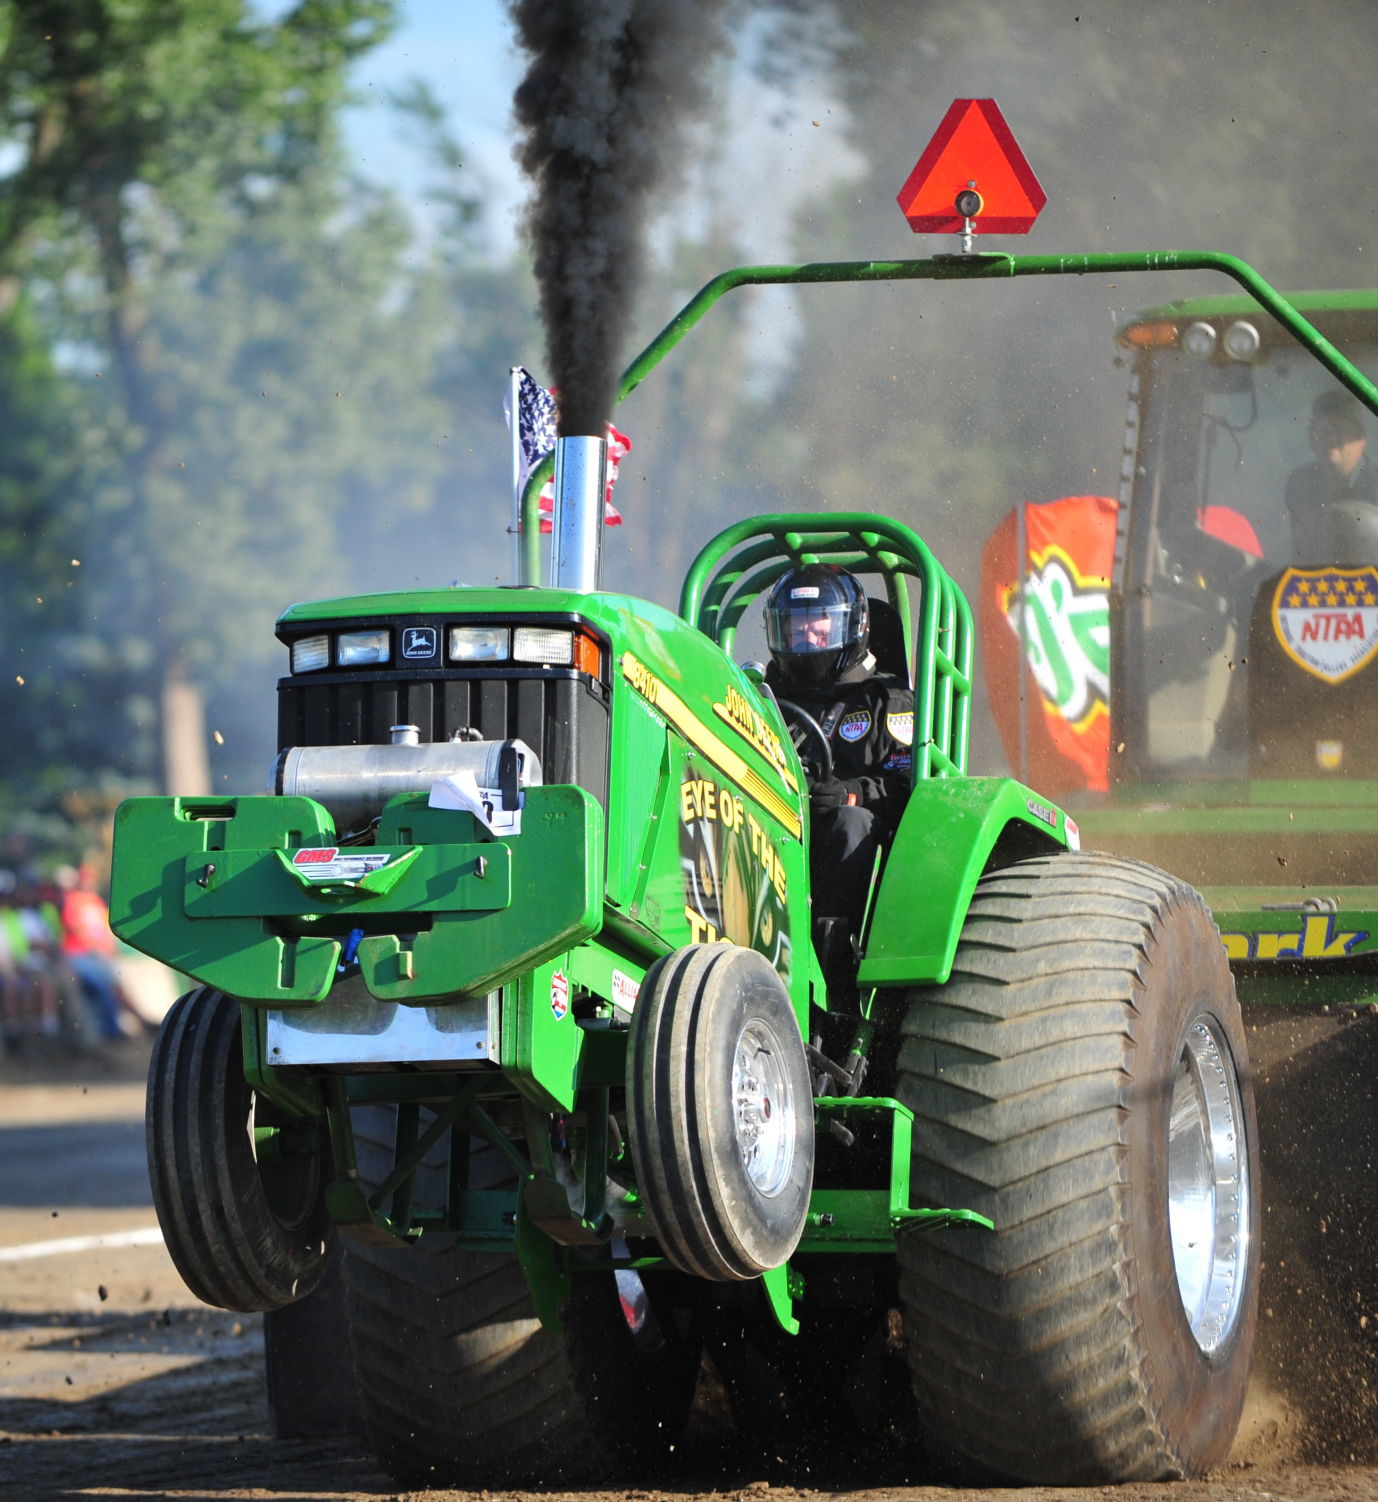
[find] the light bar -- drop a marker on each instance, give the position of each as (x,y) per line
(310,654)
(358,648)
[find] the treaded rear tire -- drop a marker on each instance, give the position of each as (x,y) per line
(307,1364)
(460,1383)
(1057,1349)
(244,1235)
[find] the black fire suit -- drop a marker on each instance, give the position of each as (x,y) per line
(868,718)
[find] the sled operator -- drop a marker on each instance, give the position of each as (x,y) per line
(818,629)
(1331,500)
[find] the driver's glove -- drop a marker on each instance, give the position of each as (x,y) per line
(829,794)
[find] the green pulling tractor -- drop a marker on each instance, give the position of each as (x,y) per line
(509,984)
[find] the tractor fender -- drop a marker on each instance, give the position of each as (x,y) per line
(952,831)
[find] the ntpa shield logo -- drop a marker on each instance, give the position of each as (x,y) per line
(1326,619)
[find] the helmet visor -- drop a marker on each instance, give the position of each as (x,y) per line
(802,626)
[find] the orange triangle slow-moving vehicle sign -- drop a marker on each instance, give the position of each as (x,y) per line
(973,149)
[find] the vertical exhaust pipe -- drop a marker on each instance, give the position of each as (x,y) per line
(581,477)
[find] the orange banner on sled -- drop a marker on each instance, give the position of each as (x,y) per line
(1053,615)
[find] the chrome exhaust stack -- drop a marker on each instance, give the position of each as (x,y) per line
(581,479)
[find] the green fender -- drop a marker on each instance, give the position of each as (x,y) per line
(949,831)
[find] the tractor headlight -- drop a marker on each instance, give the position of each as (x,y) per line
(1198,339)
(359,648)
(543,644)
(1241,341)
(554,647)
(310,654)
(479,643)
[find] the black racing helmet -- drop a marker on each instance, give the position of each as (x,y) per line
(817,624)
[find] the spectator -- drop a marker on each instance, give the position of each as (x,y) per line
(88,947)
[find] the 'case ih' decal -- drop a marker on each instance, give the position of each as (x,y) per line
(1326,619)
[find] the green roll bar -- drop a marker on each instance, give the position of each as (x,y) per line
(985,266)
(745,559)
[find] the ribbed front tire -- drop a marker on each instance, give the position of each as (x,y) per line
(720,1112)
(1082,1080)
(246,1228)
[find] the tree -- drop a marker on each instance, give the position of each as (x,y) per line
(178,219)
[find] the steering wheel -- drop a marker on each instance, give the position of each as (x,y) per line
(806,734)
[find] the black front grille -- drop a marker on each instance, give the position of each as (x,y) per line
(563,716)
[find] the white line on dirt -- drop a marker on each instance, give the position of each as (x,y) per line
(143,1236)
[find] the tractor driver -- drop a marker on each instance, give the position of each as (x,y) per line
(818,631)
(1330,501)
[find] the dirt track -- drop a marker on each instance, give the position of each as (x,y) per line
(115,1383)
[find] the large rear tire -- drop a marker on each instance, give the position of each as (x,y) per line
(307,1365)
(462,1385)
(1083,1080)
(246,1231)
(720,1112)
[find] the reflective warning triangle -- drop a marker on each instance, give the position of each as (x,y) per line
(972,145)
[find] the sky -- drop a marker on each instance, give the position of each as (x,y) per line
(465,51)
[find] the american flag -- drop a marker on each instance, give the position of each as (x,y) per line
(537,410)
(536,413)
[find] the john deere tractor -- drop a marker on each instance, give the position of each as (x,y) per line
(508,985)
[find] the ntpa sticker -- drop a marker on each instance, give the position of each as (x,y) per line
(855,725)
(559,995)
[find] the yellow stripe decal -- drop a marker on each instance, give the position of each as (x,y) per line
(662,697)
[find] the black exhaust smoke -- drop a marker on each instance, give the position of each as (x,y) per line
(610,85)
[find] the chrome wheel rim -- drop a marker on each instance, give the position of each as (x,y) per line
(763,1107)
(1208,1185)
